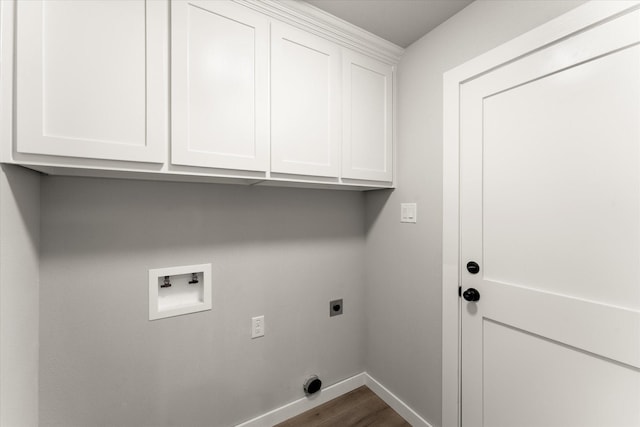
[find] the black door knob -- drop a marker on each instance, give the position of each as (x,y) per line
(473,267)
(471,295)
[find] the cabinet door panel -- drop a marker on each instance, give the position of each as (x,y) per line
(367,125)
(305,104)
(220,86)
(85,89)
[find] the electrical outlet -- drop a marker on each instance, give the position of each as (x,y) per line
(335,307)
(257,327)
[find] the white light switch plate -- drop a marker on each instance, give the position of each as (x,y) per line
(408,212)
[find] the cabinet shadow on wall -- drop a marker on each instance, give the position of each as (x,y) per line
(375,202)
(90,216)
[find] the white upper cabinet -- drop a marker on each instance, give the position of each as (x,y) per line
(220,86)
(91,79)
(367,148)
(305,103)
(251,91)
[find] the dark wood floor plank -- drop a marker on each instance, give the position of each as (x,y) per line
(361,414)
(358,408)
(329,410)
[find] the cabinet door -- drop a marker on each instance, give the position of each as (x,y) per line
(367,150)
(91,79)
(220,107)
(305,103)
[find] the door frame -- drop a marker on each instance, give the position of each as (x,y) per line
(554,31)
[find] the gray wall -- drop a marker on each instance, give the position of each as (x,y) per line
(283,253)
(19,241)
(279,252)
(404,261)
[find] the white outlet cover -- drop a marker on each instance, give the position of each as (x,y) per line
(182,297)
(408,212)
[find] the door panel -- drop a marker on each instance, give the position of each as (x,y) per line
(305,103)
(549,182)
(220,86)
(86,90)
(513,377)
(550,209)
(367,120)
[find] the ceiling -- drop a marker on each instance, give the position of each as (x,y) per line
(399,21)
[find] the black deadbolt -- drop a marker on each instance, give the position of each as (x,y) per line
(473,267)
(471,295)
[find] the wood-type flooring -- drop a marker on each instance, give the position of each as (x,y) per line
(358,408)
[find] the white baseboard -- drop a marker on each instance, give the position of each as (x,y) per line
(299,406)
(395,403)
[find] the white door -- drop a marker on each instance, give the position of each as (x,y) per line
(367,142)
(91,79)
(305,103)
(220,85)
(550,212)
